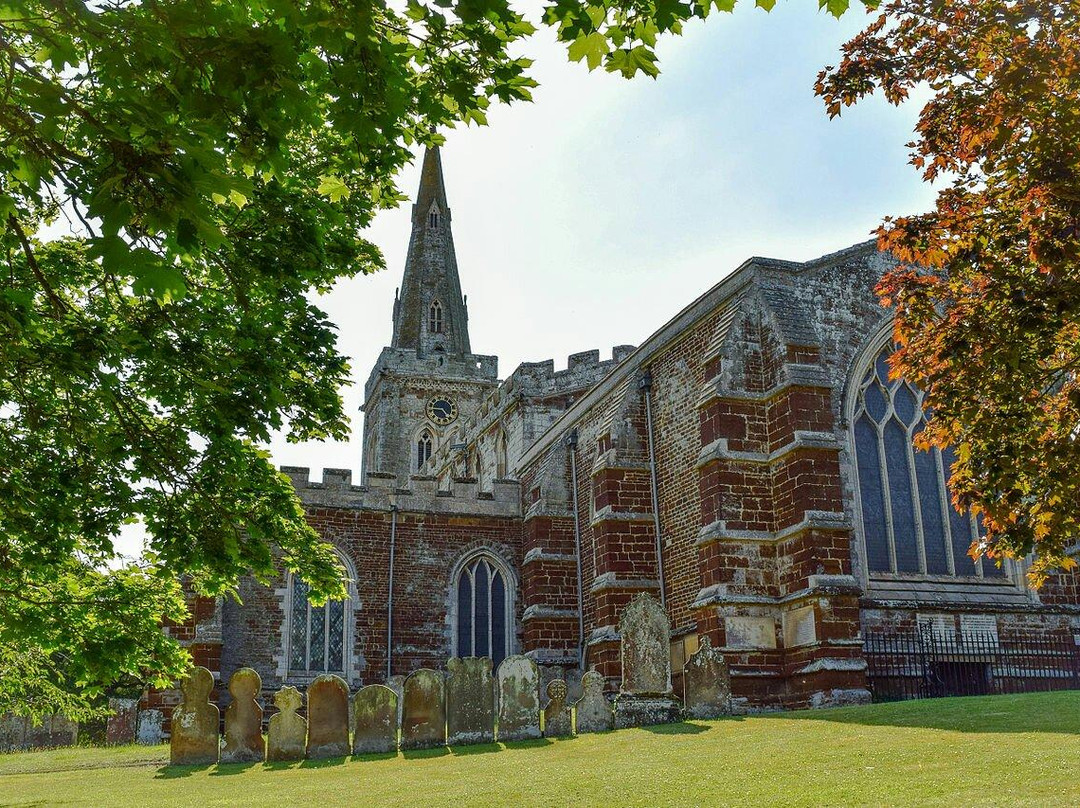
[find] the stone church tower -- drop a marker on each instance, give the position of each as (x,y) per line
(428,381)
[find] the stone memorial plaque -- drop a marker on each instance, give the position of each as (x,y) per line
(375,716)
(706,683)
(519,699)
(243,719)
(593,710)
(470,701)
(287,737)
(328,718)
(423,715)
(194,738)
(558,722)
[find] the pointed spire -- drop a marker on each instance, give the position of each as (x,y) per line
(430,315)
(432,186)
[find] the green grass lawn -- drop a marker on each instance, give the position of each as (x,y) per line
(999,750)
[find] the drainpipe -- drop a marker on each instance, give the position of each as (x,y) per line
(645,384)
(390,592)
(571,444)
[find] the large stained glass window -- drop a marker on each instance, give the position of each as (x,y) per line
(482,611)
(316,633)
(910,526)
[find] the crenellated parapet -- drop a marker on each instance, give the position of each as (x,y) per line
(423,495)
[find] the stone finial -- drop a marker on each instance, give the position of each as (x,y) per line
(558,721)
(243,719)
(593,710)
(470,701)
(328,717)
(375,720)
(194,736)
(706,683)
(287,737)
(519,699)
(423,716)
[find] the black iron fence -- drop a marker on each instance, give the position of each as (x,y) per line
(928,664)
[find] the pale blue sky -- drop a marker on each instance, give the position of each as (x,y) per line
(590,217)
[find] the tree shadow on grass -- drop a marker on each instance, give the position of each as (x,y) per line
(424,754)
(170,772)
(475,749)
(531,743)
(226,769)
(1052,713)
(322,763)
(680,728)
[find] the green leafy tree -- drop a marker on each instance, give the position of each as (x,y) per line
(214,162)
(988,301)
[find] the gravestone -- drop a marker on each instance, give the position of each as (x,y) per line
(194,736)
(287,737)
(397,684)
(470,701)
(375,712)
(328,717)
(423,715)
(122,722)
(645,695)
(149,731)
(593,710)
(558,723)
(243,719)
(706,683)
(519,699)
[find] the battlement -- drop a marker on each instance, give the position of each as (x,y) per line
(583,370)
(408,362)
(422,495)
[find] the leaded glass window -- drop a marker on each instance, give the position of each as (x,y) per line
(435,319)
(316,633)
(423,449)
(909,524)
(482,612)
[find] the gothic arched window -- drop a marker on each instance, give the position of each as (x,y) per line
(435,321)
(433,218)
(423,449)
(482,605)
(318,638)
(909,524)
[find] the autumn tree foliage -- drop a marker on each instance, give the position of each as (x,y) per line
(987,300)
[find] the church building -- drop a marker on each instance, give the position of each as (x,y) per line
(750,464)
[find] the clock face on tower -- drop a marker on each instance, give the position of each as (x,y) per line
(441,410)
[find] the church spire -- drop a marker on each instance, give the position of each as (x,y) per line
(430,314)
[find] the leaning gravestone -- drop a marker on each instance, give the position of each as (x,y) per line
(706,683)
(423,716)
(470,701)
(558,722)
(519,699)
(593,710)
(243,719)
(328,717)
(194,727)
(287,737)
(375,713)
(122,721)
(645,696)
